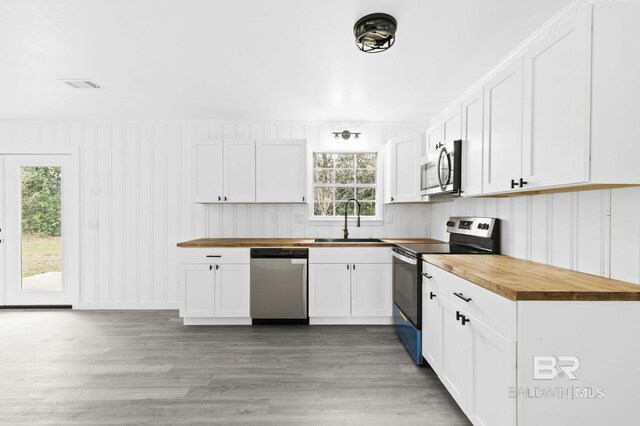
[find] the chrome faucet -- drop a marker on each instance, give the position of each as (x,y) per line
(346,205)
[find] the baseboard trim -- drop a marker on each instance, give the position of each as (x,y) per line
(126,306)
(351,321)
(217,321)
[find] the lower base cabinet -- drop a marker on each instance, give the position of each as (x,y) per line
(214,291)
(350,290)
(475,363)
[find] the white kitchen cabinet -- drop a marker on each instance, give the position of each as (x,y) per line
(492,375)
(456,365)
(403,168)
(232,291)
(432,328)
(214,291)
(239,171)
(433,136)
(225,171)
(452,123)
(371,293)
(556,105)
(350,285)
(197,291)
(330,290)
(472,143)
(503,129)
(281,171)
(209,173)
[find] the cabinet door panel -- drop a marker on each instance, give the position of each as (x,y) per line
(232,291)
(472,143)
(456,354)
(405,169)
(197,291)
(503,129)
(556,105)
(434,136)
(371,290)
(240,171)
(209,160)
(493,374)
(432,328)
(329,290)
(452,124)
(281,171)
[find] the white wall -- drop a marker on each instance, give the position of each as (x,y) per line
(136,197)
(596,232)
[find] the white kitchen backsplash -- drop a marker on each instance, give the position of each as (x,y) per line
(596,232)
(291,220)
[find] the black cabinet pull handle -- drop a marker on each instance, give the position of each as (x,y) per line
(302,198)
(458,315)
(427,276)
(354,267)
(465,320)
(225,198)
(213,255)
(348,267)
(523,182)
(513,183)
(217,267)
(392,199)
(210,267)
(461,296)
(432,295)
(219,198)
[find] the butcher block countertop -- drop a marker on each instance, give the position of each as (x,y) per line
(295,242)
(519,280)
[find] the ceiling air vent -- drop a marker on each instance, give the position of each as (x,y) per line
(82,84)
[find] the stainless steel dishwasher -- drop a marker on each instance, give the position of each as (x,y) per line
(279,286)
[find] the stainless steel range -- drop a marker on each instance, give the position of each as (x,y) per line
(467,235)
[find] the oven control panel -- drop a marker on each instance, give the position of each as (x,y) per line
(478,226)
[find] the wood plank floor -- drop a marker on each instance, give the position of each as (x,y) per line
(145,367)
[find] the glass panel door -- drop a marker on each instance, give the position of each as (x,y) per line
(36,228)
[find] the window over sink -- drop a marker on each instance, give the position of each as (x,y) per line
(340,176)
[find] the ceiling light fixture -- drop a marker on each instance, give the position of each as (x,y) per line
(375,32)
(346,135)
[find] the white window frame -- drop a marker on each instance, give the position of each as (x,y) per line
(324,220)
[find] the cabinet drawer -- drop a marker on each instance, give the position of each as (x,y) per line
(493,310)
(350,255)
(213,255)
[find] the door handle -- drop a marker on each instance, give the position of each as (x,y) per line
(523,182)
(213,255)
(458,315)
(461,296)
(217,267)
(465,320)
(432,295)
(513,183)
(427,276)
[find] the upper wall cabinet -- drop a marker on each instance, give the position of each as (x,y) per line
(472,143)
(503,129)
(402,182)
(281,171)
(555,148)
(562,115)
(434,136)
(452,123)
(225,171)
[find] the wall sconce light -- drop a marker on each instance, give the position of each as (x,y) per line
(346,135)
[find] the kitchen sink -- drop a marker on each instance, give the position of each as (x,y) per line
(347,240)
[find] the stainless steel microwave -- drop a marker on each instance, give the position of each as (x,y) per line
(440,170)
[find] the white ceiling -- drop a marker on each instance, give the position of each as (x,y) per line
(249,59)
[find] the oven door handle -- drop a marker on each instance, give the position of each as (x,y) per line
(406,259)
